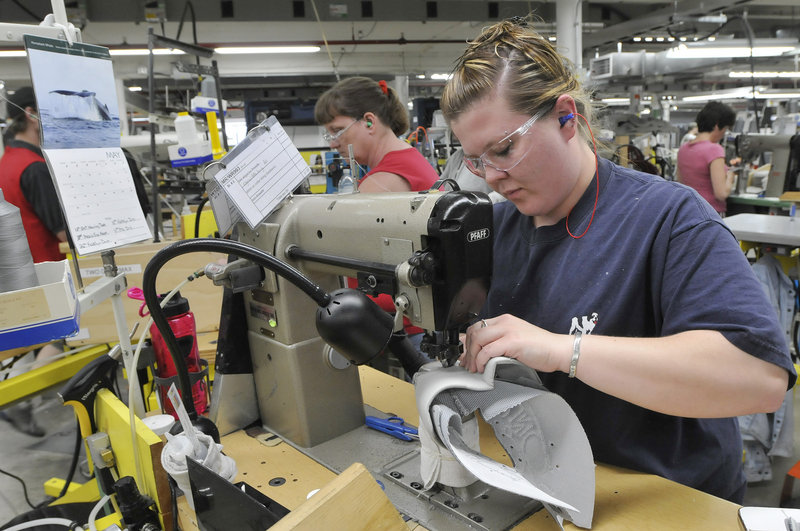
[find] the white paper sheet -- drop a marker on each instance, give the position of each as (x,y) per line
(259,177)
(96,191)
(488,470)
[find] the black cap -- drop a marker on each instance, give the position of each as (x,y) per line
(17,102)
(177,305)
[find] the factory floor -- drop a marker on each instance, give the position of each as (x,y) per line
(35,460)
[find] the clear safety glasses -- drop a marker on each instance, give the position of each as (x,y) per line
(330,137)
(505,154)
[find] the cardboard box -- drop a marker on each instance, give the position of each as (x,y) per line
(205,299)
(41,314)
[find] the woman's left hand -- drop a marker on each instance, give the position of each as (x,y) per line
(515,338)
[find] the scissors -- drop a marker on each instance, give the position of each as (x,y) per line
(394,426)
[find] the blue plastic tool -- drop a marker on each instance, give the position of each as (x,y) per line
(394,426)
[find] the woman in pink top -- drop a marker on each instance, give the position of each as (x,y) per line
(369,115)
(701,162)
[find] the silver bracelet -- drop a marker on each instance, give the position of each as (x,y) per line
(576,353)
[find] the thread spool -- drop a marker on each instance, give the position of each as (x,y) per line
(16,264)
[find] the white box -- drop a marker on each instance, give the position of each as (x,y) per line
(189,155)
(202,104)
(43,313)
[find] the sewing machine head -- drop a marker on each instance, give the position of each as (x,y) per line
(431,252)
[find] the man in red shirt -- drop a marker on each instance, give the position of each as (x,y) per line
(26,184)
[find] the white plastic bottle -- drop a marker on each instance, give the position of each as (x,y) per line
(346,182)
(186,129)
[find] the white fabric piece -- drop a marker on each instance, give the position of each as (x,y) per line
(439,465)
(179,447)
(553,461)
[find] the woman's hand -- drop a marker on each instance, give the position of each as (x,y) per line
(515,338)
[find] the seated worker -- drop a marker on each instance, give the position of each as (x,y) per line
(607,280)
(368,115)
(701,162)
(26,184)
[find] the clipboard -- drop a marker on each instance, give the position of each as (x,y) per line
(251,181)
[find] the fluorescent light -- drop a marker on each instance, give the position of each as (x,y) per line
(441,76)
(739,93)
(778,95)
(13,53)
(231,50)
(733,48)
(786,75)
(616,101)
(744,93)
(135,88)
(143,51)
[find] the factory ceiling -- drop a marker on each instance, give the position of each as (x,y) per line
(416,38)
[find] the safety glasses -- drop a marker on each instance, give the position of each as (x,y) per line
(505,154)
(330,137)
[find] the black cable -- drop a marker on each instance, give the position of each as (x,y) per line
(197,216)
(24,488)
(749,31)
(213,245)
(73,466)
(187,6)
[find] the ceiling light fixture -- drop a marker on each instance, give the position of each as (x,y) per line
(13,53)
(733,48)
(237,50)
(785,75)
(120,52)
(761,93)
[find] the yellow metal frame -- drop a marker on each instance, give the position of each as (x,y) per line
(37,380)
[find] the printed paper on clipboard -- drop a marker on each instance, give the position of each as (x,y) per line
(255,176)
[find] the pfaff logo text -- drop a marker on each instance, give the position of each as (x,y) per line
(480,234)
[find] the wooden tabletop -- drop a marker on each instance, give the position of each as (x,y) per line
(624,499)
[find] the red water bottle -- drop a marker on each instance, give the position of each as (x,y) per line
(182,323)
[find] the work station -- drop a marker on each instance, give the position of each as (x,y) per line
(429,265)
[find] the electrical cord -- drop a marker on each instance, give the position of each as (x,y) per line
(197,215)
(24,487)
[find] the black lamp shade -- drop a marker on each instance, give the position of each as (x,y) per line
(354,325)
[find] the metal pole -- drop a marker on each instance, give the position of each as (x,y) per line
(151,87)
(219,104)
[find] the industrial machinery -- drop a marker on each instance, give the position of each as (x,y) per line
(431,252)
(784,174)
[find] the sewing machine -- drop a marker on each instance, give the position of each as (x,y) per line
(784,174)
(432,253)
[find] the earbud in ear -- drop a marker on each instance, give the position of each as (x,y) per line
(566,118)
(369,124)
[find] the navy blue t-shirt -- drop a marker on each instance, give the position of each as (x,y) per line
(656,260)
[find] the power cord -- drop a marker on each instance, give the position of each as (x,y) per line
(24,487)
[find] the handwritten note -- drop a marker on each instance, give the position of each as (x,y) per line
(257,178)
(97,194)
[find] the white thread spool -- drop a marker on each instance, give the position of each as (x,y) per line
(16,263)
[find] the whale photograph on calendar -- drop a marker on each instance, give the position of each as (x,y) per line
(75,93)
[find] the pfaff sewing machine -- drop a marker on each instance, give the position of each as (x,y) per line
(432,253)
(784,174)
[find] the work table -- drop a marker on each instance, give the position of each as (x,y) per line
(624,499)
